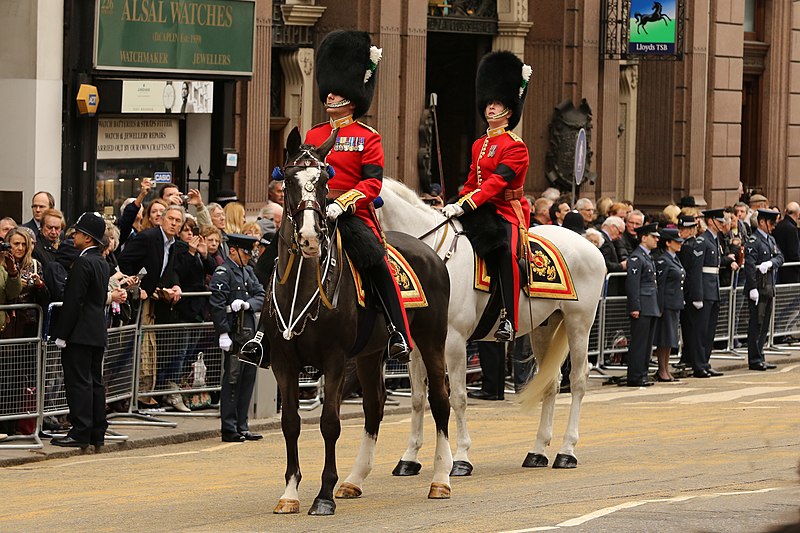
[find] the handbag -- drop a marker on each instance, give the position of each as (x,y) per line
(199,370)
(197,379)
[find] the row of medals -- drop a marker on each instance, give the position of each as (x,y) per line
(349,144)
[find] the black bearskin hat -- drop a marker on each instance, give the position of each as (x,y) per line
(502,77)
(346,64)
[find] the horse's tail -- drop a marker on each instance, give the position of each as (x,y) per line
(549,365)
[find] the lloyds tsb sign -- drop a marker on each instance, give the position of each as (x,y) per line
(176,36)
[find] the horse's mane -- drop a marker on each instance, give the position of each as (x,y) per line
(406,194)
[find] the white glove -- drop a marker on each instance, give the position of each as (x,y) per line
(452,210)
(61,344)
(333,211)
(754,295)
(697,305)
(237,304)
(763,267)
(225,342)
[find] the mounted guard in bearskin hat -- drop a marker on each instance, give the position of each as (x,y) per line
(346,67)
(494,188)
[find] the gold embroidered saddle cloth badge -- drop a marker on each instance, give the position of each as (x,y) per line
(410,288)
(548,277)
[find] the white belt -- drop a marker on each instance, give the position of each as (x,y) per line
(710,270)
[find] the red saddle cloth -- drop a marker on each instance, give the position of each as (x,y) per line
(410,287)
(548,274)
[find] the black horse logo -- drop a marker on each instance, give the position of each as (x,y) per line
(642,20)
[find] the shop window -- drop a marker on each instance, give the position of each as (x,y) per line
(119,180)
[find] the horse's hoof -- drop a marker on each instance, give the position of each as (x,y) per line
(322,507)
(407,468)
(565,461)
(439,491)
(461,468)
(287,506)
(534,460)
(348,490)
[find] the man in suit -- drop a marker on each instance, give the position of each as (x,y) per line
(762,259)
(236,295)
(612,230)
(641,290)
(81,335)
(48,236)
(41,202)
(787,238)
(152,250)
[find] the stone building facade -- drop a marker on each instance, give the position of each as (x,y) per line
(729,110)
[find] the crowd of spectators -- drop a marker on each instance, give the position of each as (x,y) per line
(163,244)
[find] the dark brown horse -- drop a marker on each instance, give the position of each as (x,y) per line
(312,318)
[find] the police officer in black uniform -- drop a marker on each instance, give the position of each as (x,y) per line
(702,294)
(81,335)
(670,277)
(236,295)
(641,290)
(762,259)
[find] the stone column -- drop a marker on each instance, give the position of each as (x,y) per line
(792,183)
(298,88)
(254,181)
(725,104)
(413,91)
(512,29)
(626,131)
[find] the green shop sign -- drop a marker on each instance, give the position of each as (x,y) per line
(175,36)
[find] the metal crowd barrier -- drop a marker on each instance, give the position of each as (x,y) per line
(311,380)
(20,375)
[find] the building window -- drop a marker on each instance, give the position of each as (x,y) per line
(753,20)
(750,16)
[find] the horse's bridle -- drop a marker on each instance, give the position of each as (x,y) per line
(309,160)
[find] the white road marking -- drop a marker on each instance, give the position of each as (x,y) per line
(610,396)
(778,399)
(727,396)
(577,521)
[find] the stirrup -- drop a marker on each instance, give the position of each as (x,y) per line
(505,331)
(397,347)
(252,351)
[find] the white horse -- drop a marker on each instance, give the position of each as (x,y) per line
(564,332)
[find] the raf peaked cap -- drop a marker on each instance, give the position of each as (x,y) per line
(647,229)
(767,214)
(347,65)
(716,214)
(686,221)
(670,234)
(502,77)
(245,242)
(93,225)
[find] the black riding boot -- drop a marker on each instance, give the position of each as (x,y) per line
(384,286)
(505,330)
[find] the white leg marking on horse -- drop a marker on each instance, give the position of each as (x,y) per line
(443,460)
(364,461)
(309,239)
(290,493)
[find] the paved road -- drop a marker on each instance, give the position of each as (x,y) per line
(700,455)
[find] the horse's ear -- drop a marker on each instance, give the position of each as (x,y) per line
(325,147)
(293,142)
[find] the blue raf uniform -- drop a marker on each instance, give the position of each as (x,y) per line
(236,295)
(642,292)
(670,277)
(762,259)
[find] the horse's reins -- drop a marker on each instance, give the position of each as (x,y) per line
(447,224)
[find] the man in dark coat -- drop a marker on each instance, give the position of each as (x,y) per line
(788,240)
(762,259)
(81,336)
(641,290)
(612,230)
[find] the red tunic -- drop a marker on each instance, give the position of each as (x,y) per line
(357,159)
(499,163)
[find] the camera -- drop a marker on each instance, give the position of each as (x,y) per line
(185,198)
(5,247)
